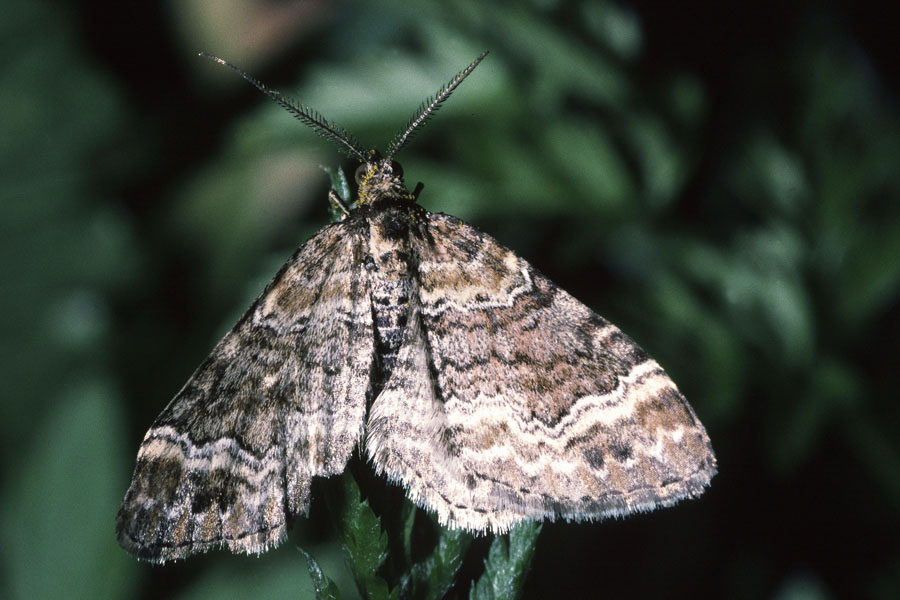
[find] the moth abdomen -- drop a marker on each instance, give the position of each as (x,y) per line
(391,282)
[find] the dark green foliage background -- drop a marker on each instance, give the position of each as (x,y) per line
(722,182)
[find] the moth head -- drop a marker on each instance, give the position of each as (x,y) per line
(377,177)
(380,178)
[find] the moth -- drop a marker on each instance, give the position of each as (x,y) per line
(463,374)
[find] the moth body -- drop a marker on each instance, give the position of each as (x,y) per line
(466,376)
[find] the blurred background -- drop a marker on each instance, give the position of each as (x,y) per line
(720,181)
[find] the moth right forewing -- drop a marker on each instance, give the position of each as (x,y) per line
(324,419)
(280,399)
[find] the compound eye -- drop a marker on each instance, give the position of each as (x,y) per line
(396,169)
(360,173)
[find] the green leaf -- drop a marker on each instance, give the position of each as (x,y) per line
(365,543)
(409,520)
(507,564)
(340,187)
(324,587)
(58,514)
(433,577)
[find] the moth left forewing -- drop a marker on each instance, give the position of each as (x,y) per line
(408,438)
(536,406)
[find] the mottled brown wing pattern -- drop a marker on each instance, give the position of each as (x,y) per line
(280,399)
(511,400)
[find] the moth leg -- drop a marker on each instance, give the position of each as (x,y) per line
(336,201)
(417,191)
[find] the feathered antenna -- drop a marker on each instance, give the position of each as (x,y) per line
(429,107)
(326,129)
